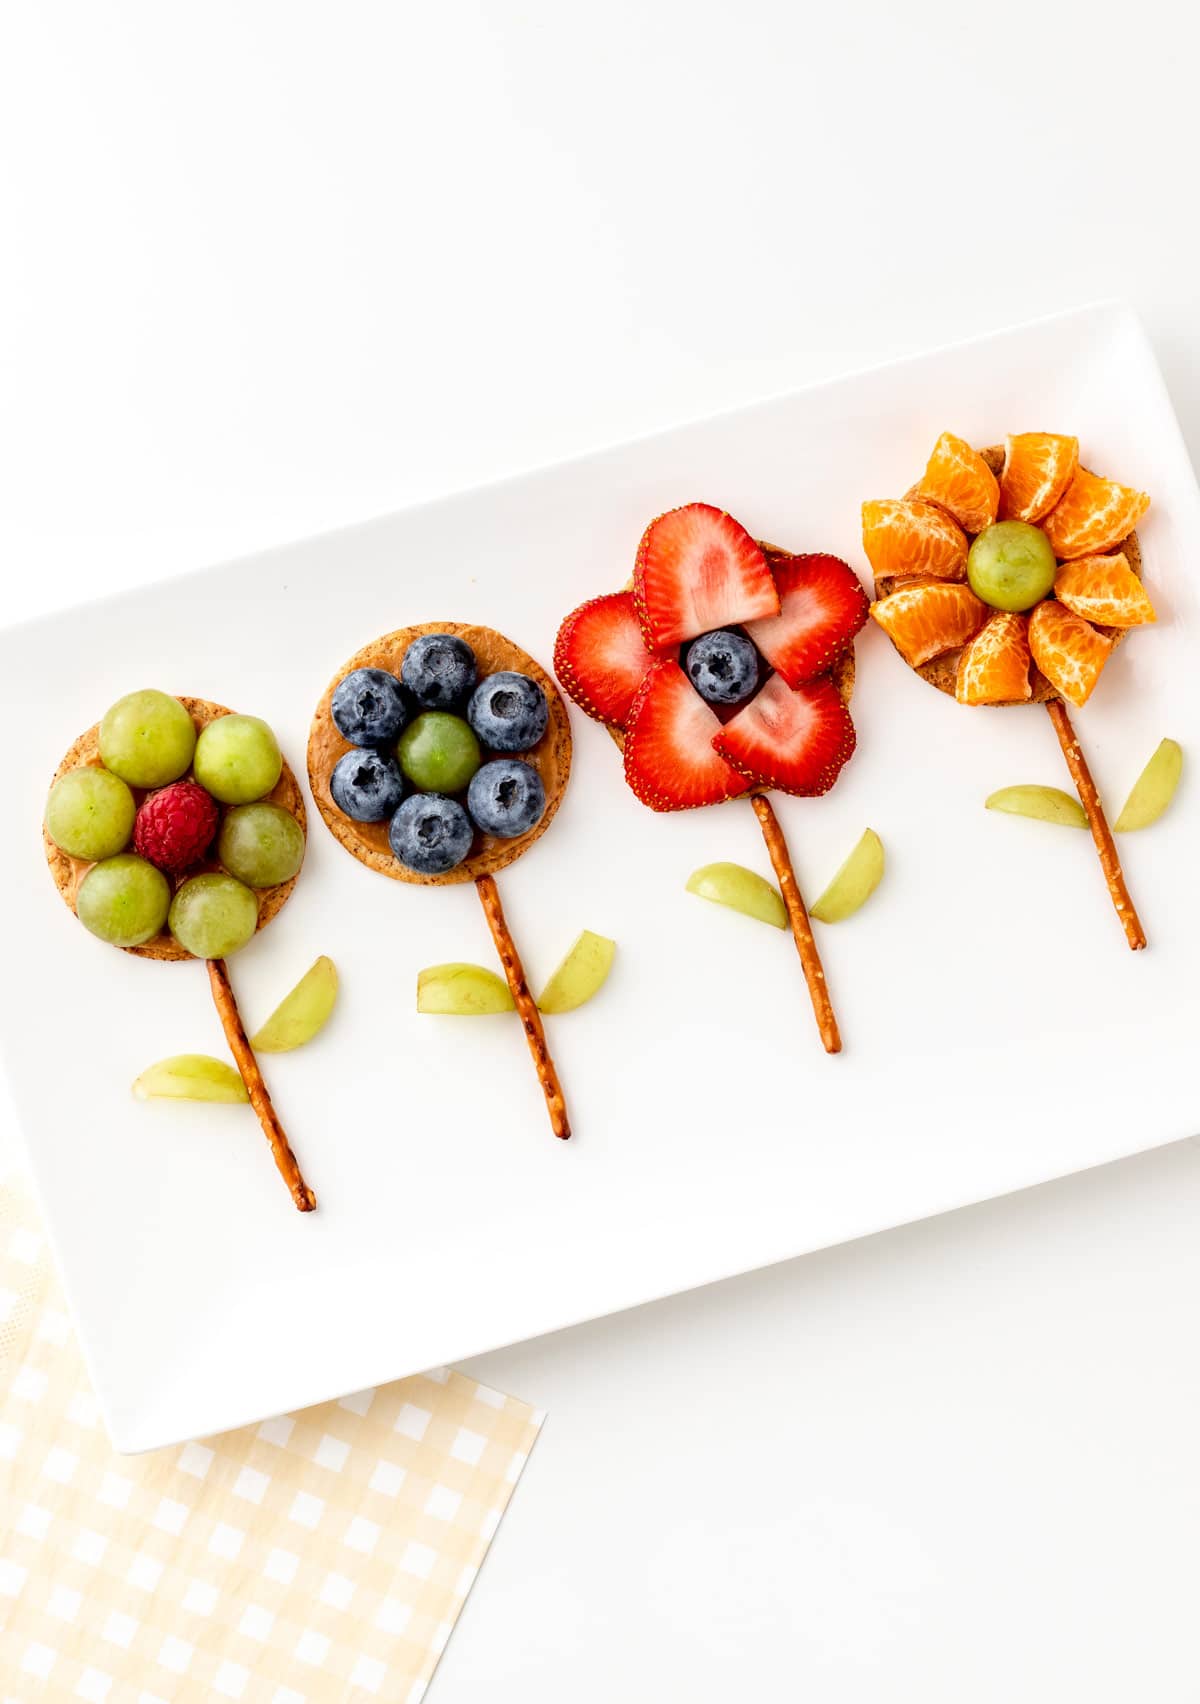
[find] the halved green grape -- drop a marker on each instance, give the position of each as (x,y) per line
(261,844)
(191,1076)
(582,973)
(123,900)
(90,813)
(1011,565)
(439,752)
(237,759)
(1047,804)
(741,890)
(301,1014)
(1153,790)
(462,991)
(147,738)
(213,915)
(854,883)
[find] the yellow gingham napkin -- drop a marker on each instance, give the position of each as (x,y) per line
(320,1557)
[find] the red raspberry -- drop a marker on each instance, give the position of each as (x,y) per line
(174,827)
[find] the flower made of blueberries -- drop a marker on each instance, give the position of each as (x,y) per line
(1009,576)
(724,671)
(216,823)
(439,754)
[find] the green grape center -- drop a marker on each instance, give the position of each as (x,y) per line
(1011,565)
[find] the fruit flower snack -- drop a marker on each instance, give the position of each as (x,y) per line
(439,754)
(175,830)
(1009,576)
(724,671)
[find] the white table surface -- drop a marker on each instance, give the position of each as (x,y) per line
(274,267)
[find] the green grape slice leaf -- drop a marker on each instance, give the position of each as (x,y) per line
(854,883)
(462,991)
(1154,788)
(1047,804)
(582,973)
(303,1013)
(191,1076)
(741,890)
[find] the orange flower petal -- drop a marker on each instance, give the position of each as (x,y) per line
(910,537)
(994,667)
(1037,470)
(923,621)
(1068,650)
(1104,589)
(958,480)
(1093,515)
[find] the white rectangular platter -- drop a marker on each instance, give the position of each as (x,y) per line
(997,1030)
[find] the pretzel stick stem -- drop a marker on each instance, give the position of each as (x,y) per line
(526,1006)
(260,1100)
(1089,798)
(806,946)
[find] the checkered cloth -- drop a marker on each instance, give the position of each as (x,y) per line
(320,1556)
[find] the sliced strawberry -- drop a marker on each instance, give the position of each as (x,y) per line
(793,738)
(601,658)
(822,608)
(669,758)
(697,570)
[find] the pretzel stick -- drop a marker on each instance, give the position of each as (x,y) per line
(526,1006)
(806,946)
(1089,798)
(260,1100)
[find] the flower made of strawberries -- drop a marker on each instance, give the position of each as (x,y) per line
(1008,575)
(723,668)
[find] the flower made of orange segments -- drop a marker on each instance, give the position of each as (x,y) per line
(1030,608)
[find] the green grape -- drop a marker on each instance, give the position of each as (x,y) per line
(1154,788)
(213,915)
(741,890)
(123,900)
(1046,804)
(237,759)
(147,738)
(854,883)
(1011,565)
(581,974)
(439,752)
(261,844)
(191,1076)
(462,991)
(90,813)
(301,1014)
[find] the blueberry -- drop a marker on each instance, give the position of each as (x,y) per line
(439,670)
(506,797)
(430,833)
(368,707)
(722,666)
(508,711)
(366,785)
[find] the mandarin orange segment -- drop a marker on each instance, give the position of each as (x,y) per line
(1037,470)
(906,536)
(994,667)
(958,480)
(924,620)
(1068,650)
(1092,515)
(1104,589)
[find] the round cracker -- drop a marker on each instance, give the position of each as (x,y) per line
(942,671)
(551,757)
(69,872)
